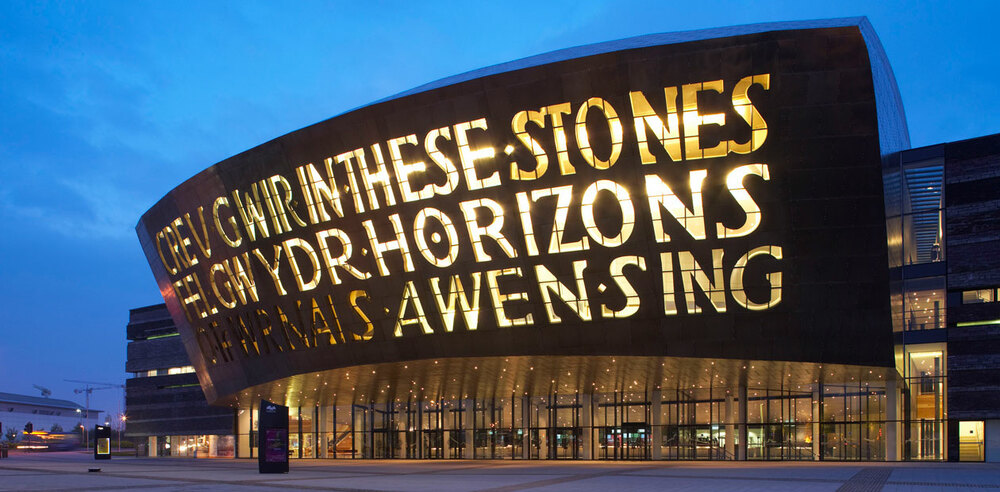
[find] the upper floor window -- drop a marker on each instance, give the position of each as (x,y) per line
(924,303)
(922,210)
(979,296)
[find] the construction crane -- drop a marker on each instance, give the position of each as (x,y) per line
(91,386)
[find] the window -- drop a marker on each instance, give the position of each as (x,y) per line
(180,370)
(924,304)
(970,441)
(978,296)
(922,204)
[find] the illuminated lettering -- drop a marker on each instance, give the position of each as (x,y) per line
(291,330)
(442,161)
(233,243)
(661,196)
(379,177)
(694,119)
(203,241)
(252,213)
(241,278)
(563,194)
(347,159)
(404,170)
(369,327)
(632,301)
(624,202)
(555,113)
(340,261)
(281,192)
(524,212)
(469,156)
(272,269)
(193,297)
(583,139)
(519,126)
(734,181)
(493,230)
(773,279)
(458,301)
(692,273)
(419,234)
(182,243)
(748,112)
(398,244)
(410,295)
(503,321)
(175,253)
(667,269)
(548,284)
(310,252)
(227,301)
(319,192)
(248,338)
(319,324)
(161,237)
(669,134)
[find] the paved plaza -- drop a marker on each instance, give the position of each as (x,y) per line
(69,471)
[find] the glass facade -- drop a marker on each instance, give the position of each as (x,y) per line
(828,422)
(203,446)
(923,212)
(915,200)
(924,436)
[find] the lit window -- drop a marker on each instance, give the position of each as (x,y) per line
(978,296)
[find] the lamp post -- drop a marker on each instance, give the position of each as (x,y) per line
(83,428)
(121,427)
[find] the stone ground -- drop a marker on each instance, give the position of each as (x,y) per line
(68,471)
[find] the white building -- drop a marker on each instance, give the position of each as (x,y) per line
(43,413)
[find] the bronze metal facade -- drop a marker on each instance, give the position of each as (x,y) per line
(690,210)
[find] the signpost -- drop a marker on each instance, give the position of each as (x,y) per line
(272,440)
(102,442)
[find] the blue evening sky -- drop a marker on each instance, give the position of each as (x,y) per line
(106,106)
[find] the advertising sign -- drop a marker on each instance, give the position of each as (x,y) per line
(102,442)
(272,443)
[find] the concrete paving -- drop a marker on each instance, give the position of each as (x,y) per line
(69,471)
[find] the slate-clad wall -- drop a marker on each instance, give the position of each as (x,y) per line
(167,404)
(972,221)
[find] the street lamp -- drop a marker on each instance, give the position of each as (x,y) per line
(121,427)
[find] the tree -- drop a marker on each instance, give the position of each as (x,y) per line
(56,429)
(11,434)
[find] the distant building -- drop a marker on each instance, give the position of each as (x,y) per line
(166,409)
(44,413)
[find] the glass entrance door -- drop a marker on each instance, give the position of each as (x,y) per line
(635,441)
(630,441)
(432,443)
(384,435)
(564,442)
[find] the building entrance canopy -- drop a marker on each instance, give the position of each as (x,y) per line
(454,379)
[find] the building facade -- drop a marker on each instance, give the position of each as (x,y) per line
(44,414)
(704,245)
(166,409)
